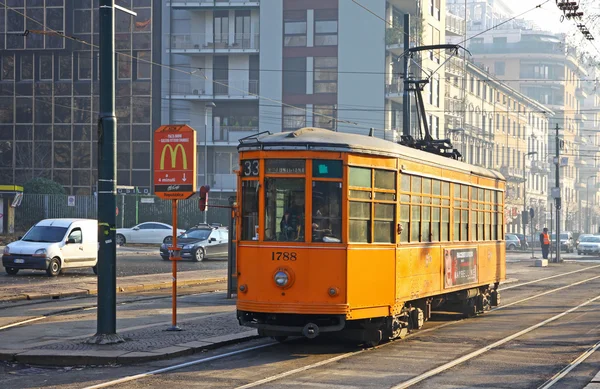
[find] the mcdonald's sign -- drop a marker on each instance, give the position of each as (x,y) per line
(175,162)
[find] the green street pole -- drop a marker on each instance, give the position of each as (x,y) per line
(106,332)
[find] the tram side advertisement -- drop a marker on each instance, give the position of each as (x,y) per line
(460,267)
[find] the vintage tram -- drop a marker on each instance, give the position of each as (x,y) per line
(361,237)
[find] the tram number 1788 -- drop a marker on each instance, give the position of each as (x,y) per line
(283,256)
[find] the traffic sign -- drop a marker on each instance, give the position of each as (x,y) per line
(71,201)
(175,162)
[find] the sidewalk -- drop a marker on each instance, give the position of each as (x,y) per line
(207,321)
(68,287)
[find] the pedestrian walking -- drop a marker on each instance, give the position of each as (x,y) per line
(545,243)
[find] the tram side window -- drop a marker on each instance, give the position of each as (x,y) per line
(284,209)
(360,222)
(327,211)
(384,223)
(249,210)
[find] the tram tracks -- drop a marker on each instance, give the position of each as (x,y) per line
(405,384)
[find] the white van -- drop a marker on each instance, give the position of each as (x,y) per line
(53,245)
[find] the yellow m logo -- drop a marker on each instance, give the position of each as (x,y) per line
(173,156)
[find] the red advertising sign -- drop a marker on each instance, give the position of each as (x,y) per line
(460,267)
(175,162)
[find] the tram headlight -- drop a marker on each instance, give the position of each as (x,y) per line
(281,278)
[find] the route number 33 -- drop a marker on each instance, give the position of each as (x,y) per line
(250,168)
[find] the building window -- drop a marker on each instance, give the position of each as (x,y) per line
(324,116)
(221,28)
(65,67)
(123,66)
(26,66)
(143,65)
(294,118)
(8,67)
(46,68)
(85,65)
(325,75)
(294,76)
(326,27)
(499,68)
(294,28)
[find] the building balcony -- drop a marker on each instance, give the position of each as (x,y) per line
(512,174)
(232,134)
(540,167)
(394,89)
(454,107)
(455,66)
(213,43)
(215,90)
(537,47)
(455,25)
(194,4)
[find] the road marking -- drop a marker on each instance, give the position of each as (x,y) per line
(548,278)
(299,370)
(485,349)
(567,369)
(544,293)
(176,367)
(22,322)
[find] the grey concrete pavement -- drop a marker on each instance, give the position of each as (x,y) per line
(207,321)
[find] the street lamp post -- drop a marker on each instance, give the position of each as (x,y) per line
(587,202)
(525,196)
(210,105)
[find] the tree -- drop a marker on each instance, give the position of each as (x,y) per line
(41,185)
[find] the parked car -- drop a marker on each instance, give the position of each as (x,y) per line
(512,242)
(200,242)
(589,244)
(149,233)
(523,238)
(566,241)
(53,245)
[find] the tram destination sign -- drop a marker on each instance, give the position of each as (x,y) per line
(175,162)
(285,166)
(460,267)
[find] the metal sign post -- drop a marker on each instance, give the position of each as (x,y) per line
(174,179)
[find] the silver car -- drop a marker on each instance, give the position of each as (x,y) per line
(589,245)
(512,242)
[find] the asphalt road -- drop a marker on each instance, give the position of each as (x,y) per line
(128,264)
(525,361)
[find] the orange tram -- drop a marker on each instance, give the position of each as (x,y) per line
(360,237)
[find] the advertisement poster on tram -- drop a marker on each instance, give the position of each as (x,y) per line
(460,267)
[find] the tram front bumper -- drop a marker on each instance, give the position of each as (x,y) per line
(277,324)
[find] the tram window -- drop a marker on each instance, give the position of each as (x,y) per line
(426,185)
(284,209)
(445,234)
(435,224)
(405,183)
(385,179)
(327,212)
(488,226)
(446,189)
(474,224)
(464,225)
(494,226)
(456,232)
(249,210)
(415,223)
(436,187)
(416,185)
(360,194)
(480,226)
(327,168)
(404,222)
(385,196)
(360,177)
(384,223)
(425,227)
(360,222)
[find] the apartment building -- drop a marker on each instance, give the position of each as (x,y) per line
(49,88)
(543,67)
(212,49)
(239,67)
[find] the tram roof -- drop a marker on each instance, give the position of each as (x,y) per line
(319,139)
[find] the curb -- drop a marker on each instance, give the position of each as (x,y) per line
(103,356)
(120,289)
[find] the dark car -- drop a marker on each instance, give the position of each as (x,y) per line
(524,238)
(200,242)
